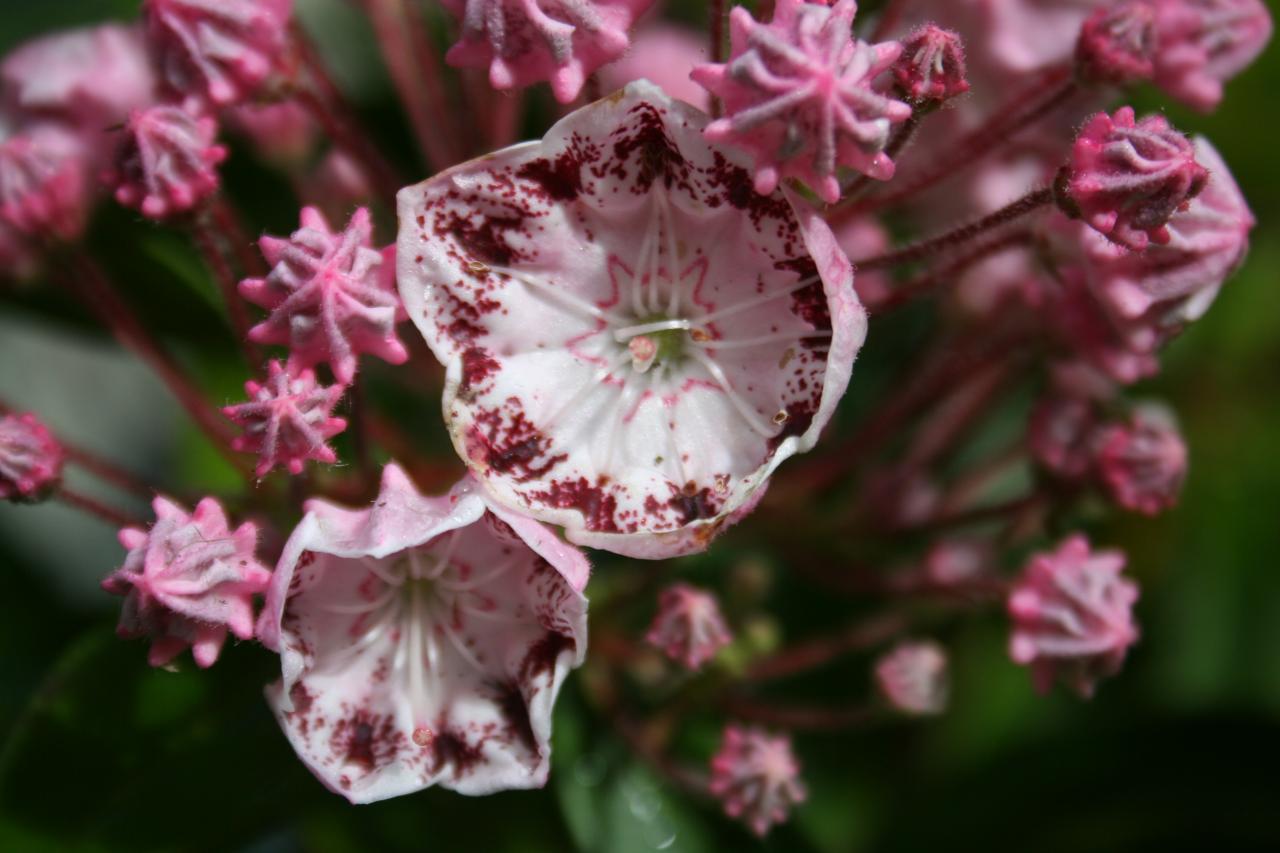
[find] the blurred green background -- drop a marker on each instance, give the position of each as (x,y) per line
(97,752)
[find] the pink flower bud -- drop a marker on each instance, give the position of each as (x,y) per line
(1204,43)
(1123,350)
(799,95)
(283,133)
(220,51)
(1059,434)
(1072,616)
(524,43)
(688,627)
(1118,43)
(167,162)
(1143,462)
(44,192)
(30,459)
(756,777)
(931,68)
(331,296)
(914,678)
(1127,178)
(188,581)
(288,419)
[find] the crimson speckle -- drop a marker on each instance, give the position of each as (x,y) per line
(597,508)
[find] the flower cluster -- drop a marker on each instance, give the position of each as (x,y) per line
(640,325)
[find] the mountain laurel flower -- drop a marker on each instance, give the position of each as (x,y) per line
(1072,616)
(688,626)
(1204,43)
(330,294)
(634,339)
(91,78)
(1118,43)
(288,419)
(798,94)
(913,678)
(221,52)
(931,68)
(1127,178)
(188,581)
(1180,279)
(168,161)
(423,641)
(1143,462)
(30,458)
(756,777)
(561,41)
(44,183)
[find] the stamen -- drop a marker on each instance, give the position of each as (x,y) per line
(628,332)
(718,343)
(750,415)
(760,300)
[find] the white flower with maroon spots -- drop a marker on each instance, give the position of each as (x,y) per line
(423,641)
(634,338)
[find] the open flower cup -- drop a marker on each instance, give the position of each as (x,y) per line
(634,338)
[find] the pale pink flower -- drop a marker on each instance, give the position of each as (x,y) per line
(1204,43)
(91,78)
(30,458)
(757,777)
(1127,178)
(665,55)
(331,296)
(1143,462)
(1072,615)
(188,581)
(44,186)
(167,163)
(1179,279)
(283,133)
(931,68)
(914,677)
(526,42)
(532,271)
(688,626)
(423,641)
(219,50)
(1118,43)
(288,419)
(798,94)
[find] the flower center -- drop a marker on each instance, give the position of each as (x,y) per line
(656,340)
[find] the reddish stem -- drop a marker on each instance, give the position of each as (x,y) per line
(243,247)
(814,718)
(107,471)
(814,653)
(413,67)
(1054,89)
(1029,203)
(88,281)
(96,508)
(910,290)
(889,17)
(506,115)
(211,248)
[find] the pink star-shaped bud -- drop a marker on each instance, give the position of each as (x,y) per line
(1180,279)
(522,43)
(288,419)
(798,94)
(531,273)
(30,458)
(91,78)
(188,581)
(331,296)
(931,68)
(1118,43)
(1143,462)
(219,50)
(914,678)
(756,777)
(44,189)
(423,641)
(1072,616)
(168,161)
(1127,178)
(1204,43)
(688,626)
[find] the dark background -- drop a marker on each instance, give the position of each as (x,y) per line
(1180,752)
